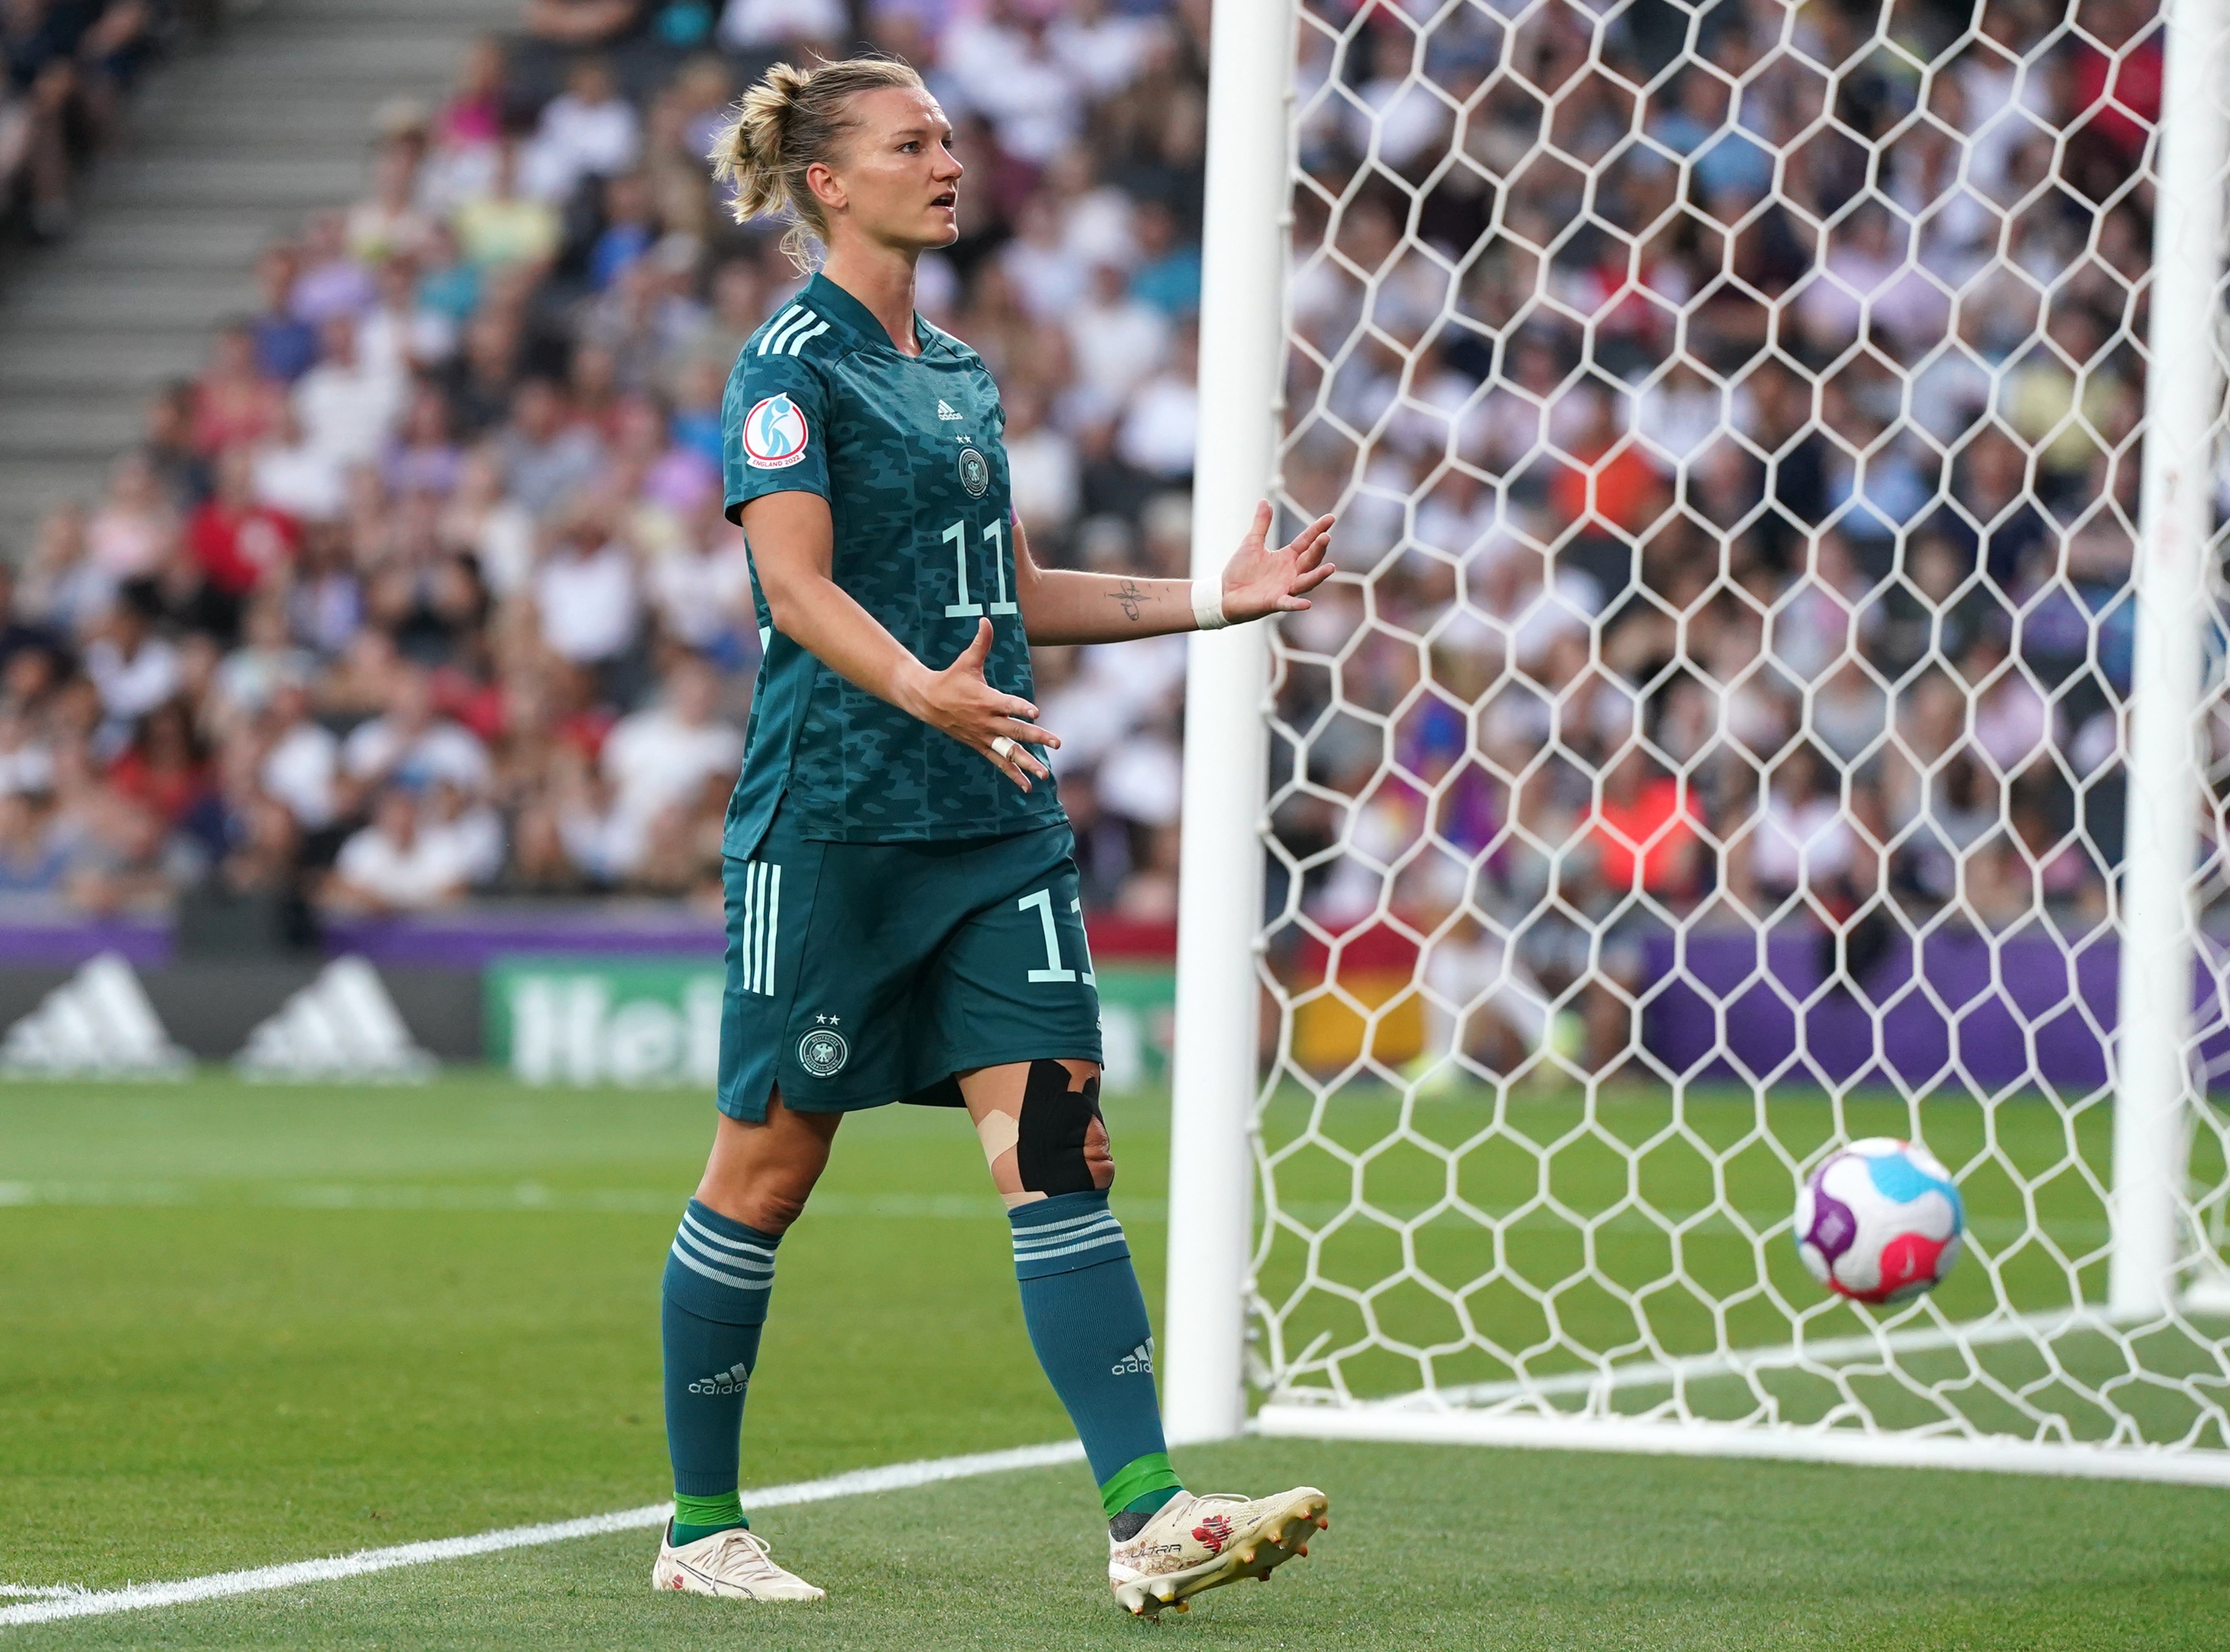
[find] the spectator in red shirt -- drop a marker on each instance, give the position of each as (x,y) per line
(1621,490)
(165,770)
(236,541)
(234,402)
(2114,102)
(1643,818)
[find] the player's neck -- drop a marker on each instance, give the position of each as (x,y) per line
(881,278)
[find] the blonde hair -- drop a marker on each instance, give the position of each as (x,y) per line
(794,120)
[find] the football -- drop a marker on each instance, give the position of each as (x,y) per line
(1879,1221)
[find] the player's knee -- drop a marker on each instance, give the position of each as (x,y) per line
(1061,1144)
(771,1210)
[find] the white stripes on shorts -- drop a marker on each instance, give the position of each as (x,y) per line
(762,926)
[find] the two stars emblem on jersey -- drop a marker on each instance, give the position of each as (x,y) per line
(775,433)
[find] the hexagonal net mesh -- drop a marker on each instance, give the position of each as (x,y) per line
(1713,749)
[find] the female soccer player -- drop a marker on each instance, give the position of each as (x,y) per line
(903,918)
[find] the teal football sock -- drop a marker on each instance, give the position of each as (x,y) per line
(1088,1322)
(718,1275)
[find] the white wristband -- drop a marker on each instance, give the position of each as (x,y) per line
(1208,604)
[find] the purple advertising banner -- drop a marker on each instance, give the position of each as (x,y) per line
(1980,1012)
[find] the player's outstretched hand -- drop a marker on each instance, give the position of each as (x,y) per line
(1258,581)
(958,700)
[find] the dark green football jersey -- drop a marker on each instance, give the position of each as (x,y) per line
(906,450)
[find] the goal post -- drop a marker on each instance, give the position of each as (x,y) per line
(1775,693)
(1213,1070)
(2184,417)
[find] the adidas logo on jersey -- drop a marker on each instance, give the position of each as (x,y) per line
(944,411)
(731,1381)
(1138,1361)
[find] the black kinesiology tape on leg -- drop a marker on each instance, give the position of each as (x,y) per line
(1049,1152)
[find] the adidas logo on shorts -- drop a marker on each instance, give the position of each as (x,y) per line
(1139,1360)
(731,1381)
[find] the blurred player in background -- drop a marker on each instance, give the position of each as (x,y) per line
(903,922)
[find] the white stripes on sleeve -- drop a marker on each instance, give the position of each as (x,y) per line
(793,330)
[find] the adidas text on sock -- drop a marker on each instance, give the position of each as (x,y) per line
(1087,1322)
(719,1274)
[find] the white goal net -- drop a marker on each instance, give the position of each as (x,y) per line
(1718,746)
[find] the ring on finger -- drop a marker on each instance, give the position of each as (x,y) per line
(1004,747)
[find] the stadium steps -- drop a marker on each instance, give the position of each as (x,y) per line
(224,148)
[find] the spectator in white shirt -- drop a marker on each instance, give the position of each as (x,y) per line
(1044,479)
(402,334)
(584,591)
(411,744)
(348,405)
(1802,841)
(471,827)
(1047,277)
(1004,65)
(702,586)
(1158,433)
(659,759)
(134,670)
(395,865)
(1102,51)
(302,762)
(586,130)
(746,25)
(1115,340)
(301,477)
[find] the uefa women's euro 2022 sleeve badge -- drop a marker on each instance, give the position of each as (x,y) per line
(775,433)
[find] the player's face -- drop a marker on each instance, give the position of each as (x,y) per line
(900,178)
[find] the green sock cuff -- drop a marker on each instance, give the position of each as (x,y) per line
(1138,1479)
(1150,1502)
(699,1517)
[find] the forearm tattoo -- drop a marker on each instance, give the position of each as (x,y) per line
(1132,596)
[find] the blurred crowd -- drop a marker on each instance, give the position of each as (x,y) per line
(66,67)
(1743,483)
(421,590)
(1737,479)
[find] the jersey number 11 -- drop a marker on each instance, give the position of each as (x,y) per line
(996,533)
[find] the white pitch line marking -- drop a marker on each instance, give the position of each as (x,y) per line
(899,1477)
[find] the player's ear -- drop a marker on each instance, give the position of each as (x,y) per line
(828,189)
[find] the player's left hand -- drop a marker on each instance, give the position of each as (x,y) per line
(1259,581)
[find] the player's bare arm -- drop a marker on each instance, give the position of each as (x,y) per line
(1066,605)
(793,542)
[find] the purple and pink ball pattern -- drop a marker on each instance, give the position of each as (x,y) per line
(1880,1221)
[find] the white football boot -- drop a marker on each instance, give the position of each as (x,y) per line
(1196,1543)
(733,1563)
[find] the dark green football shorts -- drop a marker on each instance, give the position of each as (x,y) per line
(865,973)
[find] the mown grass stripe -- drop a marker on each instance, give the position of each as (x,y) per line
(900,1476)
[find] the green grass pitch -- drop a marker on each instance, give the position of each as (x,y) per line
(241,1326)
